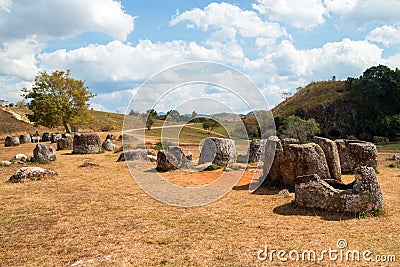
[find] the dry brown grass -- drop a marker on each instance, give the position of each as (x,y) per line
(98,216)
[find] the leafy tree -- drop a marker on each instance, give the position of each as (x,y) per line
(194,114)
(133,113)
(252,127)
(58,100)
(173,115)
(149,118)
(296,127)
(211,124)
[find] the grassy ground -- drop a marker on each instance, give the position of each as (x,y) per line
(99,216)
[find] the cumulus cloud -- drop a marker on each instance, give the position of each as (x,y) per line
(46,20)
(342,59)
(226,21)
(305,14)
(363,12)
(18,60)
(386,35)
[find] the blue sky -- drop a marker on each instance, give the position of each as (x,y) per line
(116,46)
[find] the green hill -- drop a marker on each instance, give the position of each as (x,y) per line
(367,107)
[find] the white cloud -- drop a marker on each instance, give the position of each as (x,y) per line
(363,12)
(225,21)
(387,35)
(46,20)
(305,14)
(17,59)
(342,59)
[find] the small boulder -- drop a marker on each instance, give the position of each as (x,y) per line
(134,154)
(64,143)
(284,192)
(35,138)
(45,137)
(31,173)
(189,155)
(86,143)
(25,138)
(54,137)
(21,157)
(219,151)
(5,163)
(171,158)
(107,145)
(354,154)
(11,141)
(256,150)
(44,153)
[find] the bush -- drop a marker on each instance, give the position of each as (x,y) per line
(162,145)
(296,127)
(212,167)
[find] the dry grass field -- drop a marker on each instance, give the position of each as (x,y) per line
(98,216)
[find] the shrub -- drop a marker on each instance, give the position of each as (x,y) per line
(212,167)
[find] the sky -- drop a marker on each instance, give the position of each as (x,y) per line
(117,46)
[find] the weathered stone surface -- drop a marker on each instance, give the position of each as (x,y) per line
(363,194)
(21,157)
(11,141)
(284,192)
(332,156)
(35,138)
(219,151)
(189,155)
(354,153)
(44,153)
(288,141)
(54,137)
(31,173)
(86,143)
(5,163)
(64,143)
(256,150)
(45,137)
(242,158)
(25,138)
(294,160)
(134,154)
(108,145)
(171,158)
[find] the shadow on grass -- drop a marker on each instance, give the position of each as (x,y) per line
(262,190)
(290,209)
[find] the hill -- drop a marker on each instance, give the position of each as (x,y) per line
(366,107)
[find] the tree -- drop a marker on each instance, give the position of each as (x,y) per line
(194,114)
(173,115)
(133,113)
(211,124)
(252,127)
(296,127)
(149,118)
(58,100)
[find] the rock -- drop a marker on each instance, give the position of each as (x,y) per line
(354,153)
(5,163)
(219,151)
(21,157)
(64,143)
(31,173)
(108,145)
(202,166)
(11,141)
(44,153)
(294,160)
(135,154)
(54,137)
(25,138)
(110,136)
(332,156)
(363,195)
(288,141)
(171,158)
(152,152)
(284,192)
(395,157)
(86,143)
(45,137)
(152,158)
(256,150)
(242,158)
(35,139)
